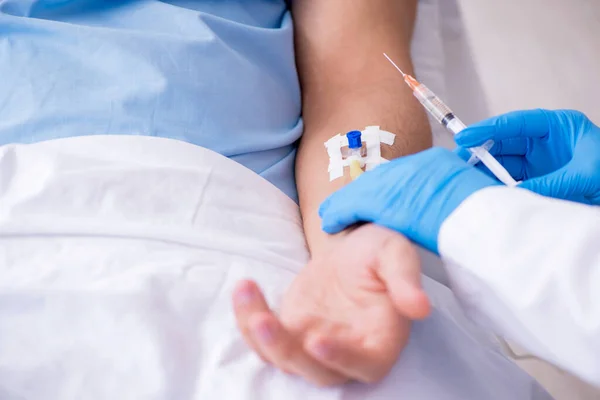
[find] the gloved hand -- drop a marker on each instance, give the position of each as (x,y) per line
(412,195)
(554,153)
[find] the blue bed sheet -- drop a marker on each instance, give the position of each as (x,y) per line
(219,74)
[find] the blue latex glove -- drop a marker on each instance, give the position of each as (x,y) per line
(412,195)
(554,153)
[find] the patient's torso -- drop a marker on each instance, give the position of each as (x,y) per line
(218,74)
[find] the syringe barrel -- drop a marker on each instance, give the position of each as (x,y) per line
(432,103)
(454,124)
(444,115)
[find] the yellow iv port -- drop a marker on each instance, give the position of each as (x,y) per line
(355,169)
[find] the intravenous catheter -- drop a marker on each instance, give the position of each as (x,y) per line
(442,114)
(354,153)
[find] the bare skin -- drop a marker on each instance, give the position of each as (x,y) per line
(347,314)
(345,318)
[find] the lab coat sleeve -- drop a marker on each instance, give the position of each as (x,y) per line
(528,268)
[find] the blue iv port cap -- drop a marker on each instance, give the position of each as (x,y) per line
(354,141)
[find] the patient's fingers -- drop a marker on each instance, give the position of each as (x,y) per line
(355,361)
(399,268)
(247,301)
(287,353)
(271,341)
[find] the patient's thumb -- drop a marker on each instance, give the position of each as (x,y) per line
(400,270)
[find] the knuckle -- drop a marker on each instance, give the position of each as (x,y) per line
(502,121)
(574,114)
(574,119)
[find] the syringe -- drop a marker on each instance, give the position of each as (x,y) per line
(446,117)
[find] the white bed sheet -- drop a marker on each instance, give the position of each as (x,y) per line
(117,260)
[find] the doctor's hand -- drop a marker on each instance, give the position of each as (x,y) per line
(412,195)
(346,316)
(554,153)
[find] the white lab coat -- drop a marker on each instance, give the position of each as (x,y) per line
(528,267)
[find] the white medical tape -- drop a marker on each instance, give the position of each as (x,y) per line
(336,162)
(372,136)
(387,137)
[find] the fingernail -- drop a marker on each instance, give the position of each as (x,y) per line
(266,333)
(244,296)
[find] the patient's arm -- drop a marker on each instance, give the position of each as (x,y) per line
(321,331)
(347,84)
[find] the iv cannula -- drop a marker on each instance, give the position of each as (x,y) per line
(443,115)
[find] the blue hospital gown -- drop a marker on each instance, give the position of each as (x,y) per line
(219,74)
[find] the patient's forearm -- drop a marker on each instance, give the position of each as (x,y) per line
(347,84)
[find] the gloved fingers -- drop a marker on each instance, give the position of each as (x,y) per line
(527,123)
(508,147)
(560,184)
(574,182)
(515,165)
(333,198)
(340,197)
(336,217)
(517,146)
(594,199)
(463,153)
(399,268)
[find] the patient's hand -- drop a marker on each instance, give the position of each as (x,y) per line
(346,316)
